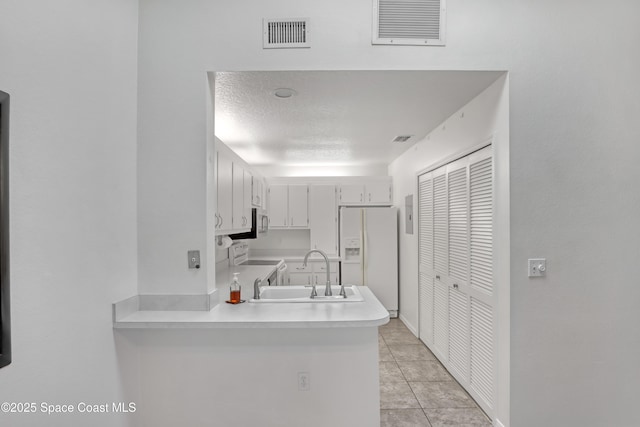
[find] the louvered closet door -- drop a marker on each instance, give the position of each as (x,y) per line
(441,265)
(426,273)
(482,296)
(456,206)
(458,245)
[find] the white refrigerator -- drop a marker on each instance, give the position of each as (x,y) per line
(369,251)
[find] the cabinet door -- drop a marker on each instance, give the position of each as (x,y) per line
(256,192)
(224,193)
(378,193)
(299,279)
(263,197)
(298,206)
(351,194)
(239,220)
(246,199)
(278,202)
(323,218)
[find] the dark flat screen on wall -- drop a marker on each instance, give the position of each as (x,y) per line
(5,319)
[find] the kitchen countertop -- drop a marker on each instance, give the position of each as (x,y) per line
(369,313)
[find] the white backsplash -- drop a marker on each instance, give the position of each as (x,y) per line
(294,240)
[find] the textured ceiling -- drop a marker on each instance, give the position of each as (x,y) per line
(336,118)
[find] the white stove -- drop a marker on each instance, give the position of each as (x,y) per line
(239,255)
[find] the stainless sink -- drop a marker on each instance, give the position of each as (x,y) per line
(301,294)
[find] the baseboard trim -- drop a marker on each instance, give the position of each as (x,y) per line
(409,326)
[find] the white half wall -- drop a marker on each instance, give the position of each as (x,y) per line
(249,377)
(70,68)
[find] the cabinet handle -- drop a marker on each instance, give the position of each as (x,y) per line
(221,220)
(369,196)
(217,220)
(360,196)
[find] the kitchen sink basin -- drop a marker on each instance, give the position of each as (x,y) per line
(302,294)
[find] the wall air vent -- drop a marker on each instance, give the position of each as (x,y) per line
(402,138)
(285,33)
(409,22)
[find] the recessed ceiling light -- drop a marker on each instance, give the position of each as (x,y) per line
(284,93)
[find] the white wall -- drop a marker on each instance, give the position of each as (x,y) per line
(70,68)
(573,155)
(484,119)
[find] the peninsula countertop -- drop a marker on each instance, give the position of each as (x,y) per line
(368,313)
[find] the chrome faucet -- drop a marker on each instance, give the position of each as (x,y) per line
(327,289)
(256,288)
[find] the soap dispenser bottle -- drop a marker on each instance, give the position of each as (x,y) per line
(234,290)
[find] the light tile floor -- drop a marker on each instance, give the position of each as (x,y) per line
(415,389)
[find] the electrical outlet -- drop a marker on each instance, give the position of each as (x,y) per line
(537,267)
(194,259)
(304,381)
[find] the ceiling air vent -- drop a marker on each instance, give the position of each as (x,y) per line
(285,33)
(409,22)
(402,138)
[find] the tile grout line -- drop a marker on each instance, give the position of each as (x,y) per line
(475,404)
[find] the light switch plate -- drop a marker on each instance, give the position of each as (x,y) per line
(194,259)
(537,267)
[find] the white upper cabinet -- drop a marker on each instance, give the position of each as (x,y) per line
(288,206)
(233,196)
(377,193)
(351,194)
(224,187)
(323,218)
(238,196)
(241,198)
(298,206)
(278,205)
(246,197)
(257,191)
